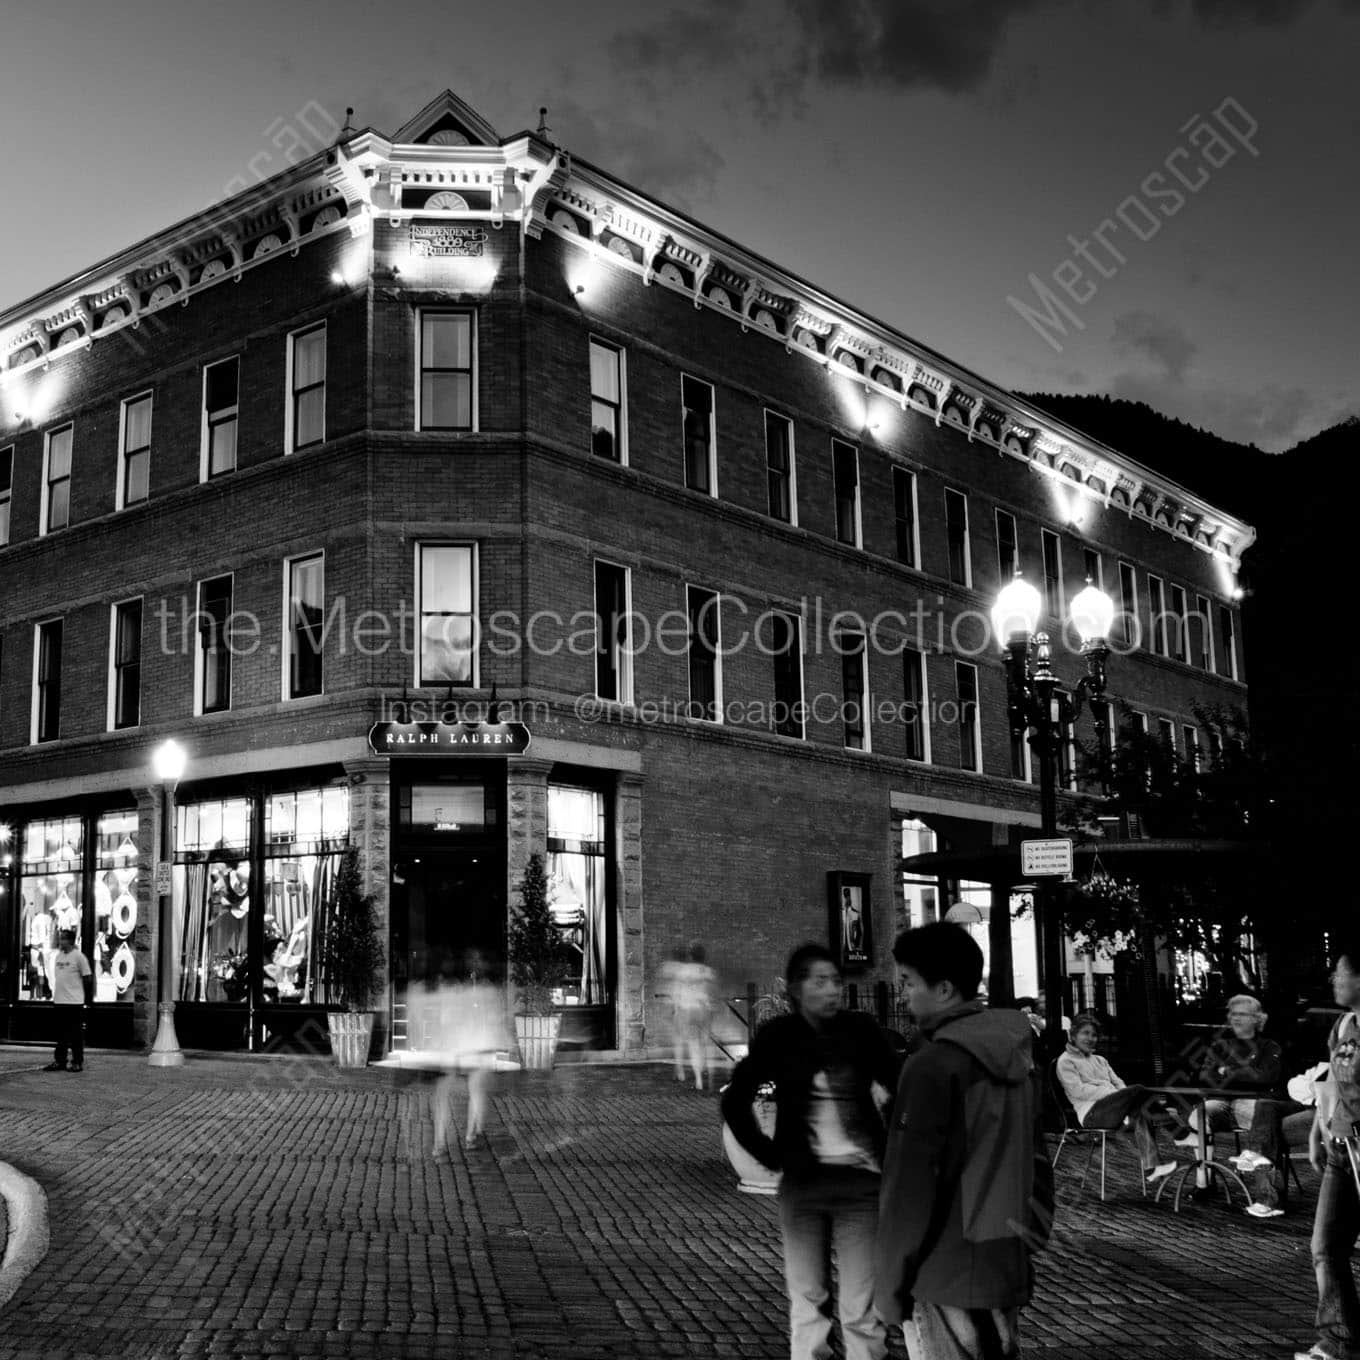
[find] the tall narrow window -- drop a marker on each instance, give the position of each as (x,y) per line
(134,451)
(970,736)
(1176,625)
(613,657)
(1128,604)
(915,713)
(845,469)
(57,481)
(126,680)
(787,650)
(1192,747)
(1140,732)
(214,645)
(47,681)
(307,398)
(705,675)
(1157,609)
(6,489)
(305,624)
(446,361)
(1022,765)
(1054,605)
(1166,734)
(1007,547)
(221,393)
(1227,630)
(1093,567)
(1067,755)
(1201,636)
(607,429)
(854,691)
(904,516)
(701,471)
(447,579)
(779,467)
(956,530)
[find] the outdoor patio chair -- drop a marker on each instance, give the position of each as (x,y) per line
(1062,1120)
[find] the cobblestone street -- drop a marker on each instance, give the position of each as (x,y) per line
(257,1207)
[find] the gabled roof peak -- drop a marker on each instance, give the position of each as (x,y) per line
(445,118)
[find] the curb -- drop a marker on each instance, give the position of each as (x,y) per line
(26,1205)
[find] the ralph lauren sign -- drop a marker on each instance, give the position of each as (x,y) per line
(443,240)
(448,739)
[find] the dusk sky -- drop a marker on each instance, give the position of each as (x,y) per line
(926,161)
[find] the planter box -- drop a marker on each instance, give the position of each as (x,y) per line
(537,1039)
(351,1037)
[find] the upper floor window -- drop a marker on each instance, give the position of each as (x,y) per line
(305,626)
(970,734)
(705,654)
(787,651)
(1007,547)
(447,352)
(134,451)
(613,656)
(915,708)
(47,681)
(1192,747)
(1166,734)
(306,388)
(855,691)
(956,529)
(6,490)
(1093,568)
(1227,629)
(213,658)
(447,605)
(1054,605)
(845,470)
(125,666)
(783,499)
(904,516)
(1201,630)
(1128,603)
(701,451)
(607,426)
(56,490)
(1176,624)
(221,395)
(1157,608)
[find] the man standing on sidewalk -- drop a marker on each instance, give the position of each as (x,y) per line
(967,1189)
(72,988)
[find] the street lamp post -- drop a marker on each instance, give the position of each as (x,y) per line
(1037,705)
(168,764)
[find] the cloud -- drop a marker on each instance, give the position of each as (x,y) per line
(1148,336)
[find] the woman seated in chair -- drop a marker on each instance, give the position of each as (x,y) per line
(1101,1099)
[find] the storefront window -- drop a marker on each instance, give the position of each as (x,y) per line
(212,900)
(921,895)
(49,899)
(117,866)
(305,833)
(576,890)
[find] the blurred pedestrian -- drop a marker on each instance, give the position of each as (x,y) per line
(832,1071)
(693,984)
(72,991)
(1332,1151)
(967,1189)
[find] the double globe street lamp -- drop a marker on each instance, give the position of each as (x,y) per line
(1037,704)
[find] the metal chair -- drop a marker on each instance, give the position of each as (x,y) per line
(1061,1118)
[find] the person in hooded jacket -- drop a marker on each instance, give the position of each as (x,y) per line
(967,1190)
(828,1140)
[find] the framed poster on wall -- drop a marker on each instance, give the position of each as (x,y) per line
(851,926)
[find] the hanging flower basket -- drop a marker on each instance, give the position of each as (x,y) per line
(1103,914)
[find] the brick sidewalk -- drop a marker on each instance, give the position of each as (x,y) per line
(276,1207)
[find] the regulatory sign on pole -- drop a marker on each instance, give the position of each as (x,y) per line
(1039,859)
(162,878)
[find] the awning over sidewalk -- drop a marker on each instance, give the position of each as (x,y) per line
(1152,858)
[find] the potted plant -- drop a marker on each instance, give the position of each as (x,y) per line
(353,959)
(537,968)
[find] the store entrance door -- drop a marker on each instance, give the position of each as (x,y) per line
(448,925)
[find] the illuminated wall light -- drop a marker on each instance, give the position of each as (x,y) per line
(337,276)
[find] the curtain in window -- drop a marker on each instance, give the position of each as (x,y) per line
(189,920)
(579,904)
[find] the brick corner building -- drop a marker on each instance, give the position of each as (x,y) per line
(444,423)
